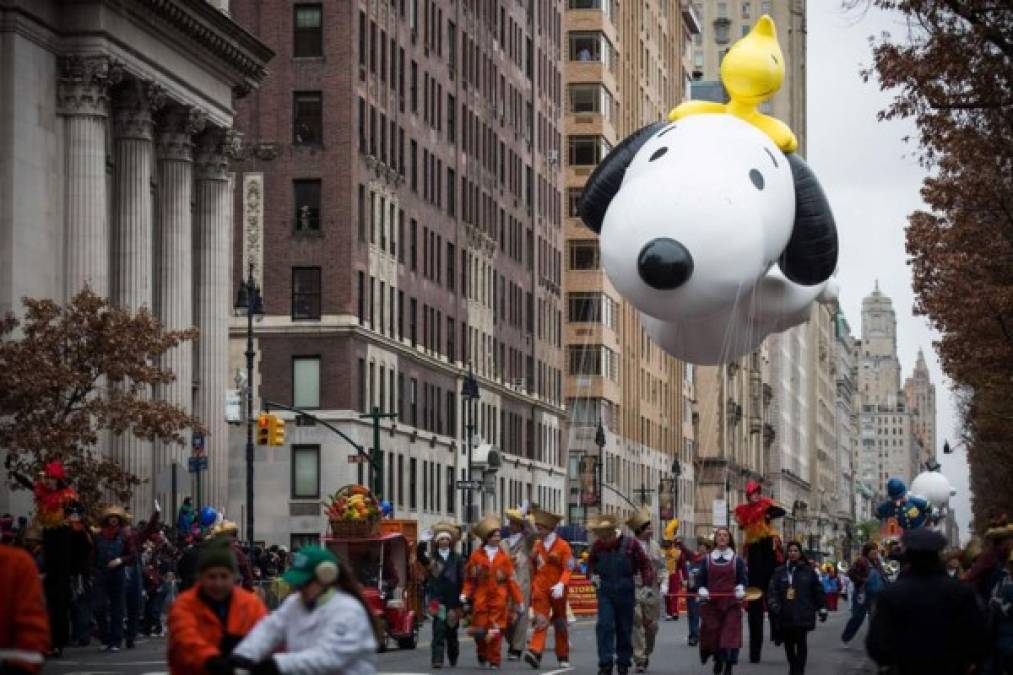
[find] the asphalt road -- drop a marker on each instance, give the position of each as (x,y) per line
(672,655)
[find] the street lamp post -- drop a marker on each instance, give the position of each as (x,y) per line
(676,473)
(250,303)
(599,440)
(469,391)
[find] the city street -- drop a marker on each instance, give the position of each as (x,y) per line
(826,656)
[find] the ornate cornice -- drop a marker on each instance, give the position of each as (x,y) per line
(84,82)
(217,33)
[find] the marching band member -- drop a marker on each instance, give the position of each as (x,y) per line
(648,609)
(724,573)
(553,562)
(488,580)
(519,545)
(445,579)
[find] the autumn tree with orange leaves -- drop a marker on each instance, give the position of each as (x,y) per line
(69,373)
(952,74)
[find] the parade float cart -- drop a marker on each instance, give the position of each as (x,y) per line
(381,553)
(382,563)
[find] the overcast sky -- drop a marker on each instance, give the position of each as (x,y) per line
(872,179)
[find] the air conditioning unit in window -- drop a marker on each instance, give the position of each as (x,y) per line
(553,156)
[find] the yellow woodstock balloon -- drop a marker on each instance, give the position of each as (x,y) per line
(752,71)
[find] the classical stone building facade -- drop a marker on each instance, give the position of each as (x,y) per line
(405,224)
(625,67)
(115,139)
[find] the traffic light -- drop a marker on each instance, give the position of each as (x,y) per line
(263,428)
(277,433)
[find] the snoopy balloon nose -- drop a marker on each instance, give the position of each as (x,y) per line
(664,264)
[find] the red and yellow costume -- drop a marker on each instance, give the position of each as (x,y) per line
(553,564)
(50,502)
(488,579)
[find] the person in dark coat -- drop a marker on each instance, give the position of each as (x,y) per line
(926,622)
(794,597)
(444,581)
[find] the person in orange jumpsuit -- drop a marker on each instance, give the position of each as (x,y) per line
(488,579)
(553,562)
(24,623)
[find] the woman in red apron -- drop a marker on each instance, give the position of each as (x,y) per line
(723,576)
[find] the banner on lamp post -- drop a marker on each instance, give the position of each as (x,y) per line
(588,475)
(666,499)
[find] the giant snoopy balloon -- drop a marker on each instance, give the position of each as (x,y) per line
(710,224)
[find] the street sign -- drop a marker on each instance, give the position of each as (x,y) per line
(198,464)
(197,442)
(358,459)
(469,484)
(233,406)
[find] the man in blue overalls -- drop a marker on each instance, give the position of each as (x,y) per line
(614,560)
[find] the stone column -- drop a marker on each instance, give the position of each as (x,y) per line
(213,305)
(133,246)
(83,102)
(174,263)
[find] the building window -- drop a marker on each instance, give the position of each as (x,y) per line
(587,150)
(307,118)
(583,254)
(305,472)
(413,477)
(308,38)
(305,292)
(301,540)
(362,385)
(306,382)
(594,307)
(592,46)
(573,201)
(593,360)
(590,98)
(307,205)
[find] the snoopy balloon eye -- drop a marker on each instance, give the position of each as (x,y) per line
(714,233)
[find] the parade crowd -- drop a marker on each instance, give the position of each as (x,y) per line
(68,578)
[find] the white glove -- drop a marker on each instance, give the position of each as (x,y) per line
(664,587)
(463,599)
(158,507)
(596,581)
(557,591)
(740,592)
(703,594)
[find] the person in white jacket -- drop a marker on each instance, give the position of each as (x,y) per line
(325,628)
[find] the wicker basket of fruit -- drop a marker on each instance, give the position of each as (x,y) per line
(353,512)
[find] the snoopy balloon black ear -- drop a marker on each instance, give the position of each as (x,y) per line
(810,257)
(606,180)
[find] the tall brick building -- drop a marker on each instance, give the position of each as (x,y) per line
(402,211)
(626,67)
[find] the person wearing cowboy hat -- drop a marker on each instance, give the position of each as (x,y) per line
(444,581)
(488,580)
(614,560)
(325,627)
(520,544)
(553,562)
(647,612)
(113,553)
